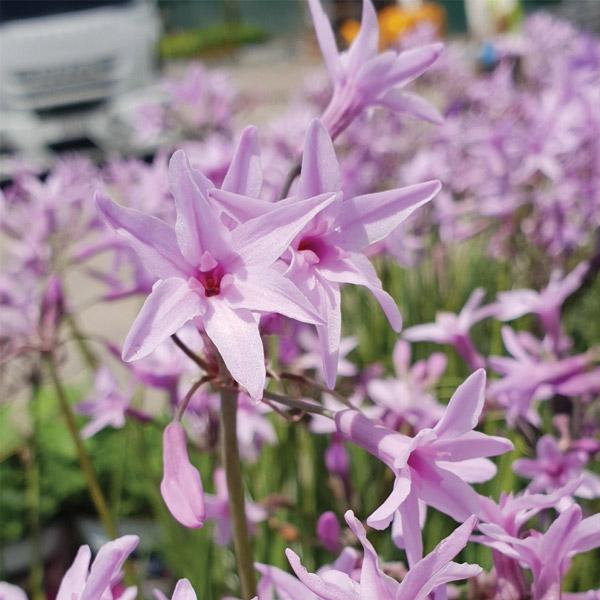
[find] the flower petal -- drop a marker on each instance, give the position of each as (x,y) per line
(73,582)
(464,408)
(411,104)
(170,305)
(267,290)
(235,334)
(107,565)
(244,175)
(326,39)
(368,219)
(262,240)
(184,591)
(152,239)
(199,227)
(366,44)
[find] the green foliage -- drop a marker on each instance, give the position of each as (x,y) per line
(195,42)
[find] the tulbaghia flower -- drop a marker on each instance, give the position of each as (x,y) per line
(453,329)
(361,77)
(81,582)
(217,510)
(183,591)
(567,536)
(554,468)
(433,571)
(546,304)
(107,405)
(531,374)
(213,276)
(408,398)
(435,465)
(511,514)
(328,251)
(181,486)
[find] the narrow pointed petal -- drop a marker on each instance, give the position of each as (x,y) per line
(357,269)
(472,444)
(374,583)
(184,591)
(13,592)
(170,305)
(366,43)
(382,517)
(411,104)
(107,565)
(464,408)
(181,486)
(244,175)
(199,227)
(235,334)
(326,39)
(406,67)
(241,208)
(587,534)
(411,528)
(368,219)
(73,582)
(152,239)
(423,577)
(320,169)
(261,241)
(266,290)
(324,590)
(329,335)
(473,470)
(282,582)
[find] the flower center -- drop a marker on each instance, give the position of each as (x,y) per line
(314,245)
(211,280)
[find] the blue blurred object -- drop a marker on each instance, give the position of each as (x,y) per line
(487,56)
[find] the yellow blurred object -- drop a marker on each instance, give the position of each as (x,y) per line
(395,21)
(349,30)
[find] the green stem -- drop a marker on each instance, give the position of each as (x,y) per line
(32,475)
(235,488)
(88,355)
(85,463)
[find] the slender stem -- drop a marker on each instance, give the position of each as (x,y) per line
(184,403)
(32,474)
(309,407)
(235,489)
(86,352)
(293,173)
(189,353)
(85,463)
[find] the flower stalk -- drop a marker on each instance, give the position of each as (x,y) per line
(235,488)
(87,468)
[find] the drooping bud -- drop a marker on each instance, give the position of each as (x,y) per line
(328,531)
(181,486)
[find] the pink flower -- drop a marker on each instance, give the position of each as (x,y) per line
(328,251)
(218,278)
(568,535)
(553,468)
(435,465)
(361,77)
(332,583)
(81,582)
(453,329)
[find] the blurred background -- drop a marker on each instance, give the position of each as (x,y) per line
(73,72)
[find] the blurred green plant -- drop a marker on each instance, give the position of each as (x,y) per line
(192,43)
